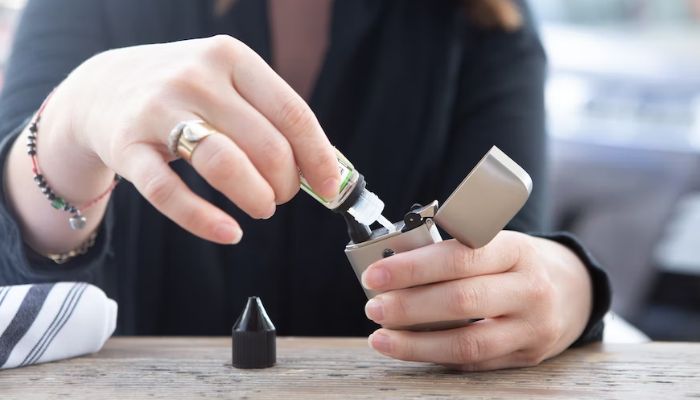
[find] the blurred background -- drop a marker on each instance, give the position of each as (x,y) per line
(623,102)
(8,13)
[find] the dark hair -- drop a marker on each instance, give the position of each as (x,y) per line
(489,14)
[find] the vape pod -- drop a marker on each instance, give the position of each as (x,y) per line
(481,206)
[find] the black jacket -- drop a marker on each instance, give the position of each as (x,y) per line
(410,91)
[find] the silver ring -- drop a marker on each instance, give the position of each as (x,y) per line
(176,133)
(185,137)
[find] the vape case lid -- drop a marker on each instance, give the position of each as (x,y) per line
(486,200)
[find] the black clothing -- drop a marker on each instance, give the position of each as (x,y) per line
(409,91)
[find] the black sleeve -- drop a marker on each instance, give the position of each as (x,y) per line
(501,102)
(52,39)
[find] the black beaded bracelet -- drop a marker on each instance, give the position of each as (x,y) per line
(77,220)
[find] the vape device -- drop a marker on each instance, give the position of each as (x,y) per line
(481,206)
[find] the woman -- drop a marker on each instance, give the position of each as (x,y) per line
(413,92)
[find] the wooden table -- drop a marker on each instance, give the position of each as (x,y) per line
(194,368)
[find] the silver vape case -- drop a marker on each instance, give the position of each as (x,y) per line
(481,206)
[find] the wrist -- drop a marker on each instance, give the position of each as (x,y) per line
(65,155)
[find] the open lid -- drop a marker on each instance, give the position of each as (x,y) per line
(486,200)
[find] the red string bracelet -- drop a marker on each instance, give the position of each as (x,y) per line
(77,220)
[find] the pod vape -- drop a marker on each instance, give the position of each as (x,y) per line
(481,206)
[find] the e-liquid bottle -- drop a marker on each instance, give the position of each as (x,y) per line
(353,198)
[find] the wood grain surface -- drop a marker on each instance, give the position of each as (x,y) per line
(194,368)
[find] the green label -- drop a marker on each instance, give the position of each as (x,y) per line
(346,170)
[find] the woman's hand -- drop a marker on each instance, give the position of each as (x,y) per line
(115,111)
(534,295)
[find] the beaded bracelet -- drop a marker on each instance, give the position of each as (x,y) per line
(77,220)
(62,258)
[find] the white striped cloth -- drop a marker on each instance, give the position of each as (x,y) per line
(53,321)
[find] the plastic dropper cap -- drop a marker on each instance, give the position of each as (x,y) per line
(254,337)
(367,208)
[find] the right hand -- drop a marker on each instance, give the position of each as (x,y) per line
(121,105)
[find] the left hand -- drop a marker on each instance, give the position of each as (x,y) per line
(534,294)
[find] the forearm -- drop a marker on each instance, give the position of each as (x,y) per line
(72,174)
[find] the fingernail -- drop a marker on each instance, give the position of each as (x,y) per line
(237,235)
(329,188)
(380,342)
(375,278)
(374,310)
(228,233)
(271,212)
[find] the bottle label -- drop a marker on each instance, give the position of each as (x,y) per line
(346,170)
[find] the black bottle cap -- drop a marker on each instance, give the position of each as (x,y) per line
(353,196)
(254,337)
(359,233)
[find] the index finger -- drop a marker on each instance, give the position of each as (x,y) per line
(288,112)
(444,261)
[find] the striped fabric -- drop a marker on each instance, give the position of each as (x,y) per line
(53,321)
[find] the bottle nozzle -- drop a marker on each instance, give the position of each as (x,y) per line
(358,232)
(367,209)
